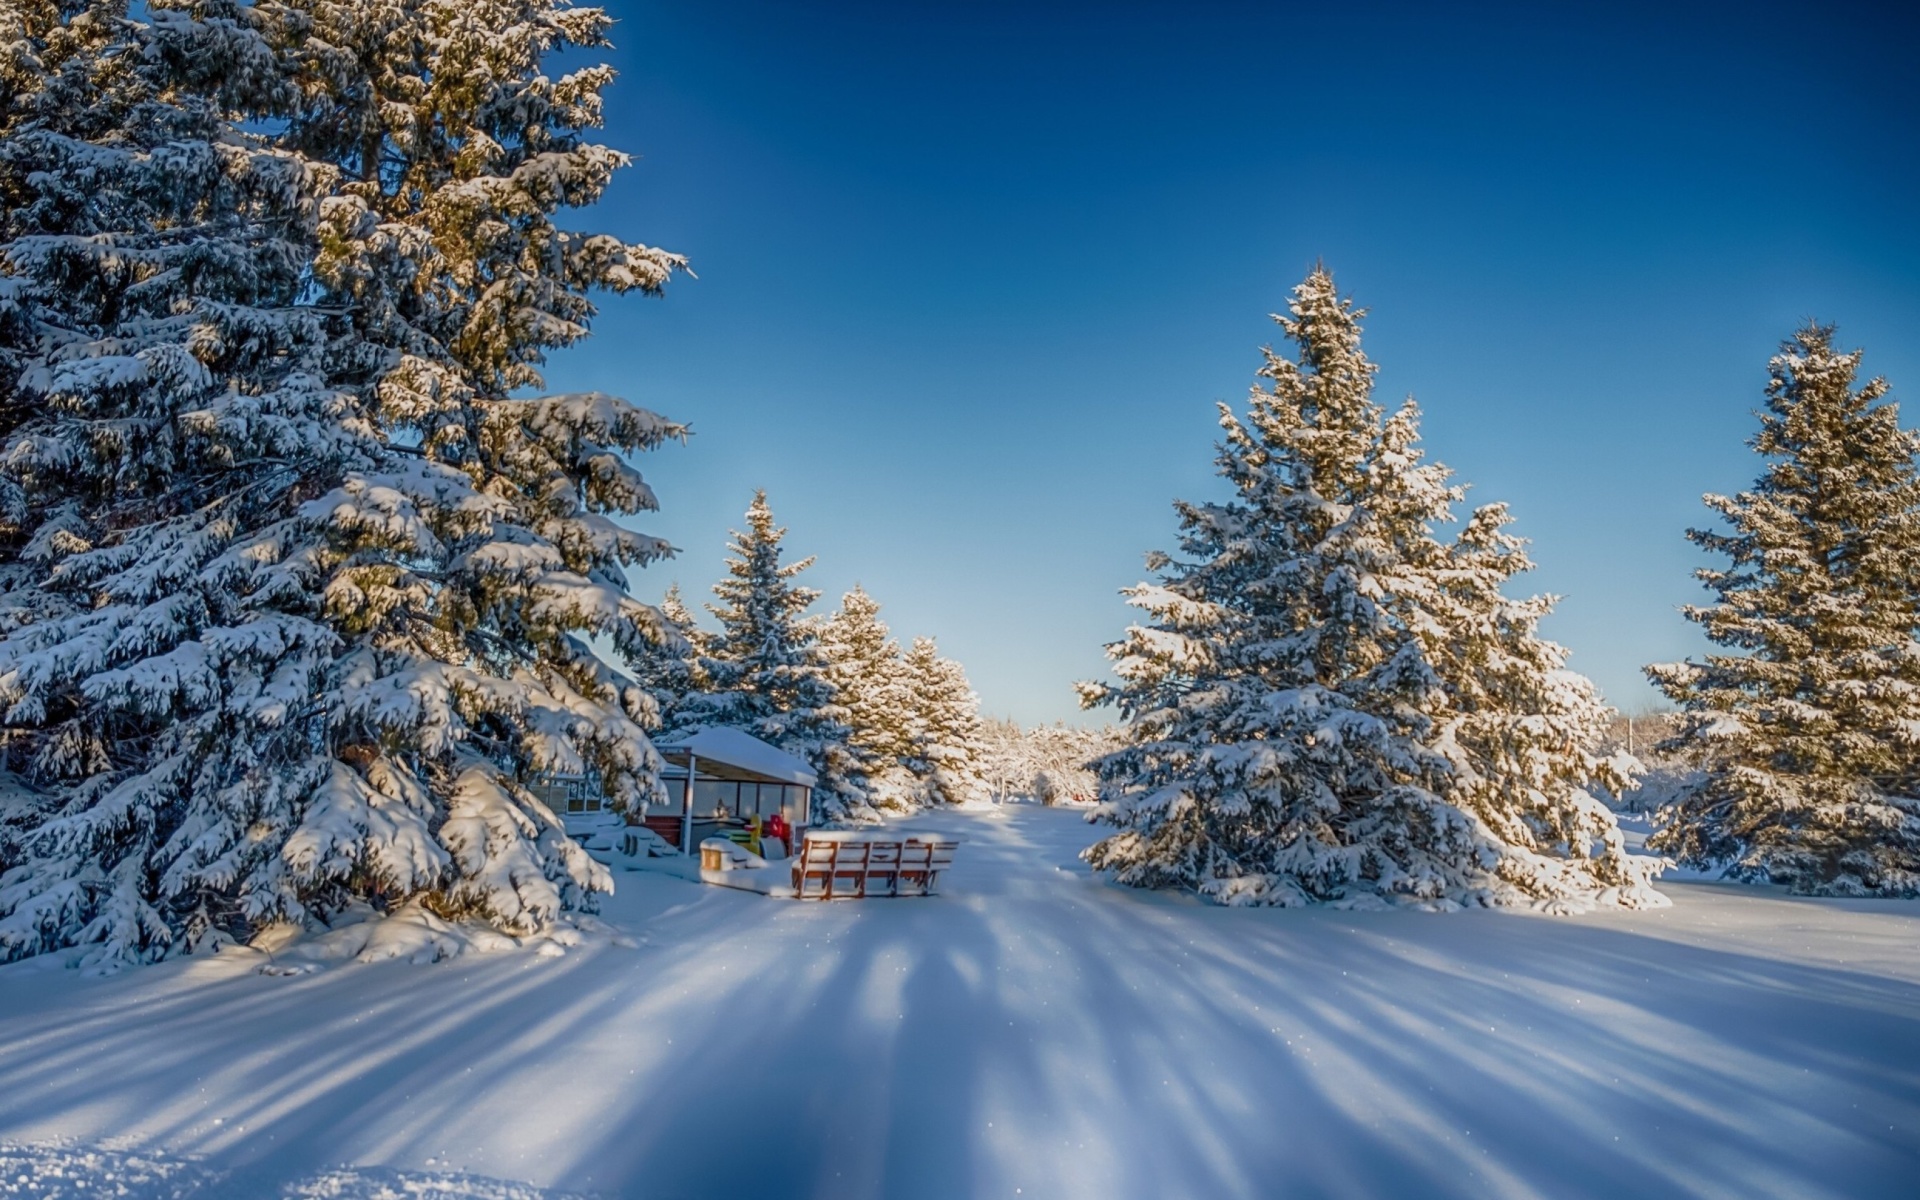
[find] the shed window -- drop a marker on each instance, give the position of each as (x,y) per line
(712,796)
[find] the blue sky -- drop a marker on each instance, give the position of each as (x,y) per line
(972,276)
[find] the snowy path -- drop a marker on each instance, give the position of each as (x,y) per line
(1032,1033)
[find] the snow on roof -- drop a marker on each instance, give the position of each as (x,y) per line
(735,748)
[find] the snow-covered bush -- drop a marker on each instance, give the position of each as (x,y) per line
(1329,702)
(1654,775)
(1658,786)
(1064,789)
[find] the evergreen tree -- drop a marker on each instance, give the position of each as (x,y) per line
(1062,755)
(326,582)
(171,409)
(864,664)
(1329,703)
(470,568)
(1808,730)
(767,673)
(865,668)
(1048,763)
(668,669)
(674,610)
(1005,764)
(943,744)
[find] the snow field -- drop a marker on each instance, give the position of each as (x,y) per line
(1034,1032)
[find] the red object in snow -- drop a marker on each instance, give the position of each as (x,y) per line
(777,828)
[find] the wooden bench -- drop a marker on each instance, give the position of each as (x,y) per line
(842,866)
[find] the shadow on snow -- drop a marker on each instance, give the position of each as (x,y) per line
(1033,1029)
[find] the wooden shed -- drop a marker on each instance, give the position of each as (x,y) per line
(721,777)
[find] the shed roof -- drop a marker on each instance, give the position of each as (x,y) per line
(728,753)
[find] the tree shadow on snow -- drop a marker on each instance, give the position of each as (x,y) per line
(1025,1031)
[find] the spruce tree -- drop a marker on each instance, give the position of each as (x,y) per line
(668,668)
(1329,703)
(766,671)
(157,652)
(866,670)
(943,734)
(1807,726)
(864,663)
(470,569)
(327,577)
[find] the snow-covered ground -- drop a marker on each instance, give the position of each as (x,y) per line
(1034,1032)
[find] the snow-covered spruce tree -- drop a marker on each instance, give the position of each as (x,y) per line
(43,61)
(36,54)
(54,72)
(869,677)
(327,577)
(468,569)
(766,671)
(1331,704)
(1809,731)
(943,732)
(171,406)
(108,177)
(668,668)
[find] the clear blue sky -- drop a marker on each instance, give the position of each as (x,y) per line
(972,277)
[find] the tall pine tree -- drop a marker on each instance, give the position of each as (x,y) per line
(765,668)
(866,670)
(1329,703)
(174,409)
(470,567)
(1810,729)
(943,733)
(328,577)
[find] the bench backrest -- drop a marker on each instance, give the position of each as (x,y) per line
(940,851)
(844,863)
